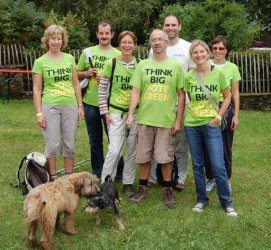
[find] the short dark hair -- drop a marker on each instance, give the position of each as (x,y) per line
(129,33)
(104,23)
(178,19)
(224,40)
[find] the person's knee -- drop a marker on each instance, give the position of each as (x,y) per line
(51,150)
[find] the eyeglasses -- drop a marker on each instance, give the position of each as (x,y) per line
(219,48)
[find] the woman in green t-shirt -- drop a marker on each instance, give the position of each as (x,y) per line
(202,125)
(115,107)
(57,98)
(220,49)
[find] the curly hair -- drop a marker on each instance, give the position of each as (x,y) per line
(54,30)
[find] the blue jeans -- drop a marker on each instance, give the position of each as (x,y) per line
(210,137)
(95,134)
(227,136)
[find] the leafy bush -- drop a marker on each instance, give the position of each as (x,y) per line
(210,18)
(22,22)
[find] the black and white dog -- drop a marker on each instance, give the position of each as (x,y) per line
(107,197)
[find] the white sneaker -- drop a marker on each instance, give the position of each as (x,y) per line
(198,208)
(231,212)
(210,185)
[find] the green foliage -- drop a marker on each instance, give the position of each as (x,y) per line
(76,28)
(20,22)
(210,18)
(124,14)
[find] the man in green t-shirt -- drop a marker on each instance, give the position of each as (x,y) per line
(157,83)
(99,54)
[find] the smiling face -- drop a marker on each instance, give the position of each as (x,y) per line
(199,55)
(55,42)
(127,45)
(104,35)
(219,51)
(159,41)
(171,27)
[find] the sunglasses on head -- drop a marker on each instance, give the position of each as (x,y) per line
(219,48)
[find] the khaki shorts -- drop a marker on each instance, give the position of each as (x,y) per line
(155,144)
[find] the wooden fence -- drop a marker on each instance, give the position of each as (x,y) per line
(254,66)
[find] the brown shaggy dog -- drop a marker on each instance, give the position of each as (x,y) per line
(44,203)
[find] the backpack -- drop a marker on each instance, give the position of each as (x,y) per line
(35,172)
(84,82)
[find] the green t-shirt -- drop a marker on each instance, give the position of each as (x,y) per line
(200,110)
(121,88)
(57,80)
(158,83)
(231,72)
(99,57)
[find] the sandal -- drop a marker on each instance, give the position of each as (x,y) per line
(231,212)
(198,208)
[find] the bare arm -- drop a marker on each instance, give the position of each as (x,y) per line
(236,103)
(37,90)
(227,100)
(77,91)
(180,110)
(133,103)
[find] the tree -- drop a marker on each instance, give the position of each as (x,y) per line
(259,12)
(20,22)
(210,18)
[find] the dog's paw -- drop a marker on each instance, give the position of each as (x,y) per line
(121,227)
(45,245)
(32,243)
(71,231)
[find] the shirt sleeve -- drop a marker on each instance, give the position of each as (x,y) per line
(224,83)
(236,74)
(136,80)
(186,84)
(180,78)
(103,86)
(82,63)
(37,67)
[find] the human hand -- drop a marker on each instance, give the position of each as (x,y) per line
(234,122)
(214,122)
(109,120)
(176,128)
(41,121)
(81,114)
(129,121)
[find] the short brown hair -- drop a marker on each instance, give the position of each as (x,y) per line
(177,18)
(104,23)
(129,33)
(52,30)
(224,40)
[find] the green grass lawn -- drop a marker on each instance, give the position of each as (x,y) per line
(148,225)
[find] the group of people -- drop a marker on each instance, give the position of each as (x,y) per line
(163,107)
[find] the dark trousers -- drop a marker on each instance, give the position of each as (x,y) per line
(227,137)
(94,123)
